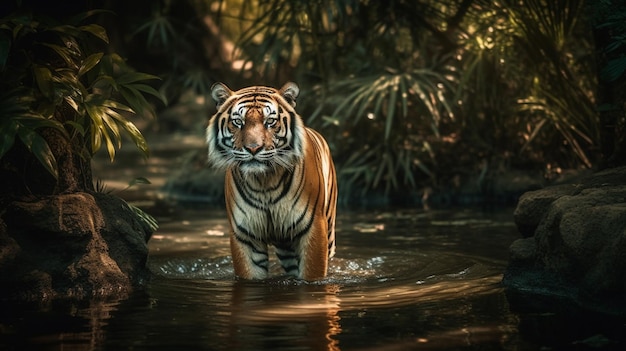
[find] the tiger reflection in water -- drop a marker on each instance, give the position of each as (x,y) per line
(277,315)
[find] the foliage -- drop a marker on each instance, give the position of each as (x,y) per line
(611,16)
(558,93)
(402,85)
(294,32)
(403,112)
(409,93)
(18,121)
(173,34)
(57,75)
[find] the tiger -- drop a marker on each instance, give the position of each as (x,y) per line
(280,184)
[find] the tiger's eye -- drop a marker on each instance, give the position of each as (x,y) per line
(237,122)
(270,122)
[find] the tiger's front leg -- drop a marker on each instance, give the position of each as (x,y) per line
(306,258)
(250,257)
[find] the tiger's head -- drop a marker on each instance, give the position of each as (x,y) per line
(255,129)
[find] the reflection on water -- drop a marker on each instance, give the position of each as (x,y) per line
(400,280)
(77,324)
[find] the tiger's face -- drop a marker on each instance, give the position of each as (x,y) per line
(255,129)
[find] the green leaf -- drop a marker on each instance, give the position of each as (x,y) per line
(89,63)
(404,96)
(137,137)
(38,146)
(614,69)
(132,77)
(96,140)
(34,121)
(104,80)
(370,94)
(150,90)
(63,52)
(135,99)
(109,121)
(391,110)
(109,144)
(139,180)
(95,115)
(148,219)
(380,98)
(97,31)
(77,126)
(73,104)
(43,77)
(117,105)
(5,48)
(8,132)
(67,29)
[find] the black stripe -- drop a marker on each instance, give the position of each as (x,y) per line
(299,190)
(291,268)
(241,209)
(286,185)
(243,194)
(220,126)
(228,108)
(247,242)
(216,128)
(281,141)
(264,99)
(263,263)
(329,227)
(297,221)
(264,190)
(307,227)
(255,99)
(289,256)
(330,199)
(268,221)
(245,100)
(294,123)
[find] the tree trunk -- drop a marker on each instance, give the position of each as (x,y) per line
(23,174)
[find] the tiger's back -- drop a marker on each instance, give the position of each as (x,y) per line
(280,182)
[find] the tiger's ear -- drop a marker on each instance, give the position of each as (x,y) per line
(290,92)
(220,93)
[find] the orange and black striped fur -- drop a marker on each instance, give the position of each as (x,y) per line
(280,182)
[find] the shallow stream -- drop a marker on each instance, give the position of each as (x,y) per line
(401,280)
(405,279)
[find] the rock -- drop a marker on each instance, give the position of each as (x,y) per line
(71,245)
(575,243)
(533,205)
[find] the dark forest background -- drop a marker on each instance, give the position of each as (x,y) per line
(411,94)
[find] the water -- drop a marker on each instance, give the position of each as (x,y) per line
(401,280)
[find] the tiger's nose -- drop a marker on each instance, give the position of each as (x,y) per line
(253,148)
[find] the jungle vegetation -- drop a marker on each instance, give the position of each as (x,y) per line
(63,97)
(411,94)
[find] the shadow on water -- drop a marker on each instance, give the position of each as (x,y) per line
(401,280)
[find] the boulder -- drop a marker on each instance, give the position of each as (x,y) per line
(71,245)
(574,242)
